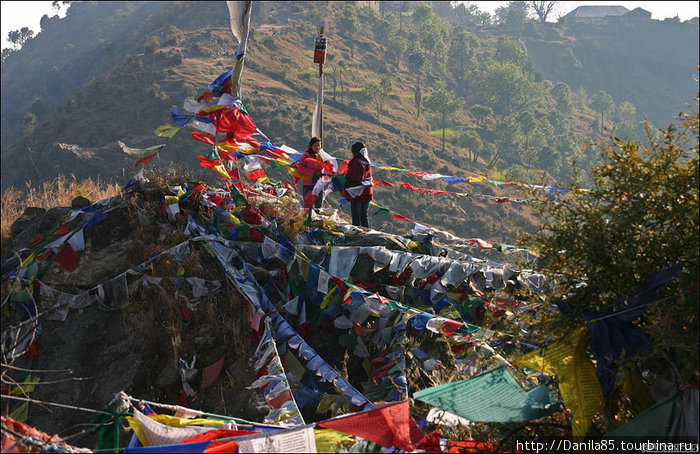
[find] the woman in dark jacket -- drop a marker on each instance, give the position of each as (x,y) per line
(358,184)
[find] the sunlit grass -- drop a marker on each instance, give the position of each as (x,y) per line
(59,192)
(449,132)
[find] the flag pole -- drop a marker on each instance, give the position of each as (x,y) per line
(320,59)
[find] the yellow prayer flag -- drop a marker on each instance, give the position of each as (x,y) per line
(171,199)
(328,440)
(222,170)
(174,421)
(295,367)
(26,387)
(578,384)
(27,261)
(167,130)
(330,296)
(214,108)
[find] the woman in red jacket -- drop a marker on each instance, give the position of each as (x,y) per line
(358,184)
(310,164)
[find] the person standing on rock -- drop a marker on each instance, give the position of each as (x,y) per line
(358,184)
(310,165)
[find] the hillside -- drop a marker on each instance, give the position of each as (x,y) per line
(110,72)
(210,292)
(149,291)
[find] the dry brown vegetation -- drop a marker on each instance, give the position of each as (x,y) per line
(56,193)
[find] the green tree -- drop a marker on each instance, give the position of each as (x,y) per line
(6,52)
(513,16)
(373,92)
(397,48)
(509,140)
(602,103)
(472,142)
(19,37)
(468,14)
(383,29)
(348,25)
(481,113)
(528,124)
(506,87)
(562,96)
(626,112)
(385,85)
(508,50)
(421,15)
(434,34)
(461,57)
(341,77)
(417,62)
(638,216)
(444,104)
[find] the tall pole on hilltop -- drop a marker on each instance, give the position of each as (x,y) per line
(320,59)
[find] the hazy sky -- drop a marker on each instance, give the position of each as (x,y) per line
(15,14)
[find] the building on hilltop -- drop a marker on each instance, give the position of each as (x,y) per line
(599,13)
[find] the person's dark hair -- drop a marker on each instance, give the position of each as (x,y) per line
(356,147)
(313,141)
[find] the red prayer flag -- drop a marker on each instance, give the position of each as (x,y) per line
(382,182)
(40,257)
(32,352)
(206,96)
(256,174)
(68,258)
(343,167)
(208,163)
(252,217)
(211,373)
(216,198)
(403,218)
(62,230)
(221,447)
(431,442)
(449,327)
(469,446)
(145,160)
(277,401)
(36,241)
(310,199)
(256,235)
(361,330)
(181,399)
(387,424)
(203,137)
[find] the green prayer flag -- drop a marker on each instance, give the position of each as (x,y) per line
(21,413)
(382,210)
(108,431)
(494,396)
(467,329)
(655,421)
(213,154)
(347,340)
(325,404)
(396,306)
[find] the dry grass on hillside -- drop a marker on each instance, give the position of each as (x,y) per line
(57,193)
